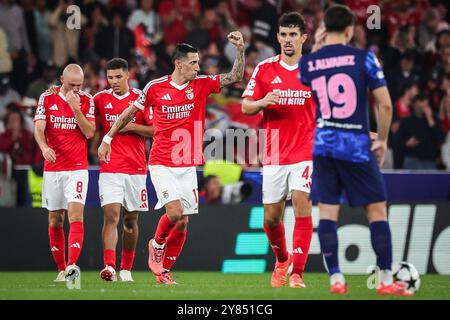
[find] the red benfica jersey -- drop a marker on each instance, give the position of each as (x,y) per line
(178,119)
(62,132)
(289,126)
(127,149)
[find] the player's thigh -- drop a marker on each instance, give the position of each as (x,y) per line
(75,186)
(53,197)
(326,182)
(275,184)
(363,182)
(111,188)
(188,186)
(164,182)
(135,197)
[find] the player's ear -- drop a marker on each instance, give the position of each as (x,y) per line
(304,37)
(61,78)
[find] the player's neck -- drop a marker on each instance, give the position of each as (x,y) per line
(291,60)
(335,38)
(178,78)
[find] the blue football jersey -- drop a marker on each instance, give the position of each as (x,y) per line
(339,76)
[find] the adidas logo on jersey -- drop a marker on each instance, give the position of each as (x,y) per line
(277,79)
(109,106)
(75,245)
(166,97)
(172,258)
(54,107)
(54,248)
(298,250)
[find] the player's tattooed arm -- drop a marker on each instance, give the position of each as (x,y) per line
(237,72)
(126,116)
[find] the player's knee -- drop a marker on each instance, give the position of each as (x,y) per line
(130,222)
(175,213)
(182,223)
(111,218)
(56,220)
(272,221)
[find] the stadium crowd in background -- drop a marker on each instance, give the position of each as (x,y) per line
(413,46)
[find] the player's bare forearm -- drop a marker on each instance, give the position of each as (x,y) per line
(125,117)
(237,72)
(87,127)
(383,100)
(39,134)
(139,129)
(251,107)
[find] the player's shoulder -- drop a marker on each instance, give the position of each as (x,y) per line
(103,93)
(269,62)
(136,91)
(84,95)
(155,83)
(45,95)
(206,77)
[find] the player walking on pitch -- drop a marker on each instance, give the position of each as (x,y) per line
(344,159)
(122,183)
(64,122)
(178,104)
(288,118)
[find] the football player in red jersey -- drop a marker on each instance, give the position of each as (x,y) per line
(178,103)
(289,120)
(64,121)
(122,183)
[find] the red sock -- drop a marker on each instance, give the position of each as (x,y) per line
(76,235)
(58,246)
(277,241)
(109,258)
(127,260)
(174,245)
(303,230)
(163,229)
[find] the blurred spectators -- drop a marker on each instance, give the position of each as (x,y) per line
(213,192)
(420,136)
(148,17)
(17,142)
(47,78)
(7,94)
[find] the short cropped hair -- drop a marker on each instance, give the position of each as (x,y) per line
(292,20)
(338,17)
(181,51)
(117,63)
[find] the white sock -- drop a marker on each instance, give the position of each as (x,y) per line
(337,277)
(158,246)
(386,277)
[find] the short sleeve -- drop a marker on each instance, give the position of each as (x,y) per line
(148,115)
(141,101)
(374,74)
(212,83)
(255,87)
(90,108)
(302,71)
(40,111)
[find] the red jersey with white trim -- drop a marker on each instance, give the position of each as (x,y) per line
(62,132)
(127,149)
(289,125)
(178,119)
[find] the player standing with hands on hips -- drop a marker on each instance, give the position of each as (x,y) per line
(344,158)
(178,103)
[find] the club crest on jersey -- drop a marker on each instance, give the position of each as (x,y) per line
(190,93)
(165,194)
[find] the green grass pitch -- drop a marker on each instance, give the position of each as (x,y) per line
(199,286)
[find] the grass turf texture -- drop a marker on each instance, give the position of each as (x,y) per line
(199,286)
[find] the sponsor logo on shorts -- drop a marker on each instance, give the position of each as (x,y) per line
(79,196)
(185,203)
(143,206)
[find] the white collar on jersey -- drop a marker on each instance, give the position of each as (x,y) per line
(288,67)
(62,96)
(178,86)
(121,97)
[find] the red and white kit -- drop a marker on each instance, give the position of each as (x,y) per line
(65,180)
(123,179)
(178,121)
(289,125)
